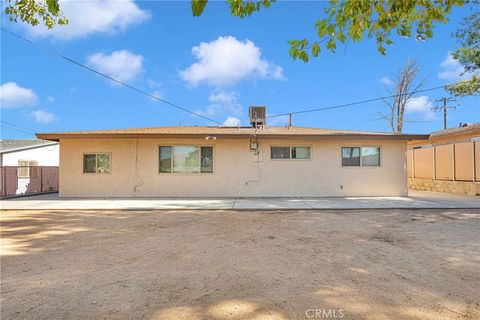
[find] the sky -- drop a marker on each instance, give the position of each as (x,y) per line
(215,65)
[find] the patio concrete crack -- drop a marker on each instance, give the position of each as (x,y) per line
(301,199)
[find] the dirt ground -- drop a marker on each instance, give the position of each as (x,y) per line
(241,265)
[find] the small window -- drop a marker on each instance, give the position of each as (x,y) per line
(165,159)
(25,169)
(360,156)
(290,153)
(300,152)
(186,159)
(96,163)
(350,156)
(370,156)
(280,152)
(207,159)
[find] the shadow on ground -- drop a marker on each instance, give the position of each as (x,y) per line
(372,264)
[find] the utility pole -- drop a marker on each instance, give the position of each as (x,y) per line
(444,108)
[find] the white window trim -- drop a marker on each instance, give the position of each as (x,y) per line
(97,173)
(361,157)
(29,164)
(290,152)
(199,159)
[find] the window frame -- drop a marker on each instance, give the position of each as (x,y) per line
(200,146)
(290,152)
(379,156)
(28,175)
(361,157)
(96,169)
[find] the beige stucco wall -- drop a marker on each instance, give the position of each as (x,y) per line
(235,170)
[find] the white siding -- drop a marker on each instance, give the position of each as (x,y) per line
(45,156)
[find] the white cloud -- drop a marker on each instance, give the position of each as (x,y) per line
(41,116)
(226,60)
(223,97)
(231,122)
(93,16)
(451,69)
(278,121)
(14,96)
(421,105)
(157,94)
(386,81)
(121,65)
(223,103)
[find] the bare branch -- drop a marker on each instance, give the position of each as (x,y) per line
(404,83)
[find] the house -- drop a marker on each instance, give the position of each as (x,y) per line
(449,161)
(203,161)
(28,166)
(29,152)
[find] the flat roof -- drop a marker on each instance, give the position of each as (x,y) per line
(228,133)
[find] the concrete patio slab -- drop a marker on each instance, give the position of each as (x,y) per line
(416,200)
(370,203)
(270,203)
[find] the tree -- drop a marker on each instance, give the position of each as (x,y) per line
(34,11)
(345,19)
(353,19)
(468,54)
(405,90)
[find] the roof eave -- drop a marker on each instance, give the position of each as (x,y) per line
(342,136)
(51,143)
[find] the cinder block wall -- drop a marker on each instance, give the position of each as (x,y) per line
(458,187)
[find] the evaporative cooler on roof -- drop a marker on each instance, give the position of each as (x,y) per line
(257,116)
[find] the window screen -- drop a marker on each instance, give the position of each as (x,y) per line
(96,163)
(350,156)
(290,152)
(207,159)
(186,159)
(280,152)
(300,152)
(370,156)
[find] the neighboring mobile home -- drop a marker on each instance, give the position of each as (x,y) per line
(28,166)
(231,161)
(28,152)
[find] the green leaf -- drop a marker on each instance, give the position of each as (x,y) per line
(321,27)
(315,49)
(198,6)
(53,7)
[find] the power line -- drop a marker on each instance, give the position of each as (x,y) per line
(355,103)
(444,107)
(16,125)
(18,130)
(108,77)
(200,115)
